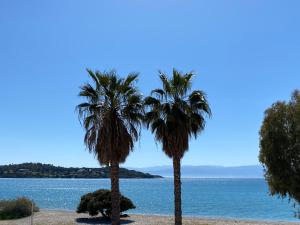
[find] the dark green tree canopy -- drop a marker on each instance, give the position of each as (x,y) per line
(280,147)
(100,202)
(111,115)
(174,114)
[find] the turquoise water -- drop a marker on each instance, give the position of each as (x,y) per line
(227,198)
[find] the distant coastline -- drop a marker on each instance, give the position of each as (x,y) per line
(39,170)
(250,171)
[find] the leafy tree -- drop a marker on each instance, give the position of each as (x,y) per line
(280,148)
(174,116)
(112,117)
(100,202)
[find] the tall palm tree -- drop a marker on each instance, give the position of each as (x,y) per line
(111,116)
(174,116)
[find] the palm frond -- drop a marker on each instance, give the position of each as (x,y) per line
(198,102)
(166,84)
(94,76)
(130,78)
(160,93)
(151,101)
(178,115)
(111,116)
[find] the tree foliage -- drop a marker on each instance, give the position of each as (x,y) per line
(111,115)
(280,148)
(100,202)
(174,114)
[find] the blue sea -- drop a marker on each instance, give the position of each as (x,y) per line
(222,198)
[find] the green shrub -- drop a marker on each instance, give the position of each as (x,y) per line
(100,202)
(17,208)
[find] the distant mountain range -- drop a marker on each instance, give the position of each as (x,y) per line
(39,170)
(252,171)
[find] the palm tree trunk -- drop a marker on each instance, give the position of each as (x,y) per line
(115,194)
(177,190)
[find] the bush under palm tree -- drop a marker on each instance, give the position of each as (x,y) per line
(174,116)
(100,202)
(112,117)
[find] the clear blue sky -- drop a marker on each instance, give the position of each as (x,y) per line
(246,55)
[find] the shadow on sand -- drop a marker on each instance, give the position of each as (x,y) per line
(100,220)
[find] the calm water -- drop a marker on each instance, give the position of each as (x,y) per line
(230,198)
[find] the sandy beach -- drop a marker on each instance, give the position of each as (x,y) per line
(72,218)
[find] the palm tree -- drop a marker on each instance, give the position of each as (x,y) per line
(111,116)
(174,116)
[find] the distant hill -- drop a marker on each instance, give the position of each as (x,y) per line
(253,171)
(39,170)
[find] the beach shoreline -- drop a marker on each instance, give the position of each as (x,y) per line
(65,217)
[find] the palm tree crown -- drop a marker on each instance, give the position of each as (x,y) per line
(174,115)
(111,115)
